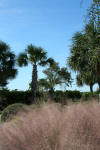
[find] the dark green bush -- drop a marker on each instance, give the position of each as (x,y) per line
(89,95)
(74,94)
(58,96)
(11,97)
(12,110)
(62,97)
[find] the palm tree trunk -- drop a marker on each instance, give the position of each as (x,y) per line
(91,88)
(34,82)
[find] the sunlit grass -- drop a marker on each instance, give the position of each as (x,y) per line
(54,127)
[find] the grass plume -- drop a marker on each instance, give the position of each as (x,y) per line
(51,127)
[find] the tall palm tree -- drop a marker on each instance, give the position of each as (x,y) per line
(36,56)
(92,34)
(94,13)
(85,52)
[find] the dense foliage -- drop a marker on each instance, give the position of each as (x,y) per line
(85,56)
(7,64)
(10,97)
(85,49)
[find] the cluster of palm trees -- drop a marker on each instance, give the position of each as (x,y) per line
(54,74)
(84,59)
(37,56)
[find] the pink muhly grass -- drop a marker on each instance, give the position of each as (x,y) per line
(35,131)
(51,127)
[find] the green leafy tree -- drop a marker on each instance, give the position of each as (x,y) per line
(52,78)
(65,77)
(43,85)
(7,64)
(85,52)
(54,75)
(36,56)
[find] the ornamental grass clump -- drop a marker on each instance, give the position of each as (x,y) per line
(52,127)
(12,110)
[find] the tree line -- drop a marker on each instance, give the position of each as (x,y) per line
(37,56)
(84,59)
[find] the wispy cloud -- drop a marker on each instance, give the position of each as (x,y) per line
(11,11)
(6,8)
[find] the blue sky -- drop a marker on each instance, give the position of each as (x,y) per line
(46,23)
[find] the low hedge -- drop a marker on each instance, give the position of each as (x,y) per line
(74,94)
(62,96)
(11,97)
(88,95)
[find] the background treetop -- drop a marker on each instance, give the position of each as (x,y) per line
(7,64)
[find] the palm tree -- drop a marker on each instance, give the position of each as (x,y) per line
(94,13)
(36,56)
(94,43)
(86,78)
(79,52)
(43,85)
(65,76)
(54,75)
(7,64)
(85,52)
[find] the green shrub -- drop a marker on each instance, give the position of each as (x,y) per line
(89,95)
(12,110)
(63,96)
(58,95)
(86,95)
(11,97)
(74,94)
